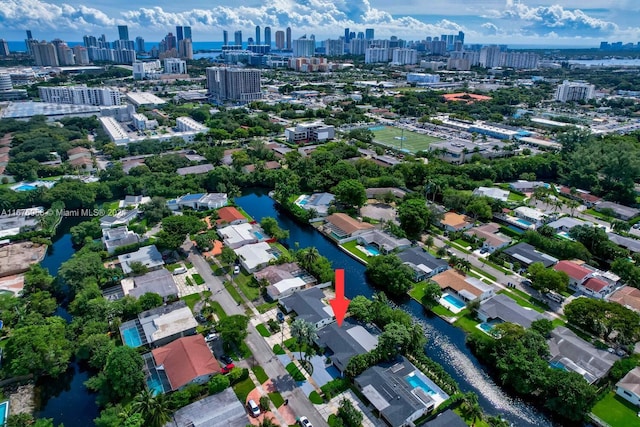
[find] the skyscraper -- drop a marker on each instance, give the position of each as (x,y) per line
(237,37)
(288,38)
(89,41)
(304,47)
(4,48)
(461,37)
(233,84)
(267,36)
(170,41)
(368,34)
(139,44)
(360,35)
(28,42)
(179,34)
(225,38)
(257,40)
(280,40)
(29,35)
(123,32)
(45,54)
(187,32)
(346,35)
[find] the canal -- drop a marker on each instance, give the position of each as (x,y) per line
(446,343)
(65,399)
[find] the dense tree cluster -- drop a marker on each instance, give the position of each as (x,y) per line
(607,320)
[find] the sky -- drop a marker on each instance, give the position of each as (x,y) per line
(514,22)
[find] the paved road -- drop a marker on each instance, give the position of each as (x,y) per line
(262,354)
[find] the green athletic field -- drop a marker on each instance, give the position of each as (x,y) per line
(393,137)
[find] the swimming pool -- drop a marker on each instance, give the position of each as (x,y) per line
(564,235)
(25,187)
(416,382)
(524,222)
(4,412)
(131,337)
(373,251)
(155,385)
(375,128)
(557,365)
(487,327)
(258,235)
(454,301)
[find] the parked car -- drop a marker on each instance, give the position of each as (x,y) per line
(179,270)
(228,368)
(236,269)
(253,408)
(200,318)
(280,317)
(304,422)
(226,359)
(211,337)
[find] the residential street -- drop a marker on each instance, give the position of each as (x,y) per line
(262,354)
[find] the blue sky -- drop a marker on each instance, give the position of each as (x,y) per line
(559,22)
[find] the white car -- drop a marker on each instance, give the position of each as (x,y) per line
(304,422)
(236,269)
(211,337)
(253,408)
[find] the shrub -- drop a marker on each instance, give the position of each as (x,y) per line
(264,403)
(238,374)
(218,383)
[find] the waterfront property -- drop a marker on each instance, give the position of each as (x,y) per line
(466,288)
(16,258)
(122,217)
(501,308)
(113,238)
(452,222)
(490,235)
(158,282)
(219,410)
(187,360)
(629,386)
(238,235)
(229,215)
(447,418)
(255,256)
(20,220)
(570,352)
(159,326)
(340,226)
(399,391)
(342,343)
(200,201)
(149,256)
(377,241)
(423,264)
(308,305)
(525,255)
(319,202)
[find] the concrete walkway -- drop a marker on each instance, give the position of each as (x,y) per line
(368,420)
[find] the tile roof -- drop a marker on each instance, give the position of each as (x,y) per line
(347,224)
(574,270)
(594,284)
(454,220)
(631,381)
(627,296)
(186,359)
(229,214)
(459,283)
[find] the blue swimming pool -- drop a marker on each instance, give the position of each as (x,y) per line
(557,365)
(372,250)
(487,327)
(454,301)
(415,381)
(131,337)
(4,412)
(564,235)
(258,235)
(524,222)
(155,385)
(25,187)
(303,202)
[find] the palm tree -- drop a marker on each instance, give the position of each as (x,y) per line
(471,412)
(154,408)
(309,256)
(304,332)
(429,242)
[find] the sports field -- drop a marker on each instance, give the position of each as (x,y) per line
(395,138)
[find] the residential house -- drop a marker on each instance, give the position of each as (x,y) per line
(629,386)
(531,215)
(447,418)
(502,308)
(79,153)
(255,256)
(195,170)
(490,235)
(238,235)
(80,158)
(308,305)
(523,186)
(622,212)
(586,198)
(423,264)
(284,279)
(453,222)
(627,296)
(319,202)
(469,289)
(20,220)
(227,156)
(187,360)
(567,223)
(158,282)
(374,193)
(122,217)
(149,256)
(200,201)
(399,391)
(219,410)
(525,255)
(585,279)
(113,238)
(229,215)
(384,242)
(341,226)
(133,201)
(570,352)
(633,245)
(493,193)
(341,343)
(270,165)
(159,326)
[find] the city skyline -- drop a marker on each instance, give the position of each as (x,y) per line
(531,22)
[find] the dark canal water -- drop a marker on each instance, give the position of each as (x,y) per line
(65,399)
(446,343)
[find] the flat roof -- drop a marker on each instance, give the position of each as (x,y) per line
(27,109)
(144,98)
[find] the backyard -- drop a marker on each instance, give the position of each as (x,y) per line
(616,411)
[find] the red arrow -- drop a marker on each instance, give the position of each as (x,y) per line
(339,303)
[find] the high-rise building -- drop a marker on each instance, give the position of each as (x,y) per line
(346,35)
(257,40)
(233,84)
(237,37)
(65,54)
(403,56)
(179,33)
(45,54)
(251,41)
(289,38)
(185,49)
(187,32)
(368,34)
(225,38)
(461,37)
(574,91)
(89,41)
(140,44)
(4,48)
(304,47)
(28,41)
(267,36)
(374,55)
(490,56)
(334,47)
(280,40)
(175,66)
(360,35)
(358,46)
(123,32)
(81,55)
(81,95)
(29,35)
(170,42)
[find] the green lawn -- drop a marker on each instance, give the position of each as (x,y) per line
(393,137)
(484,273)
(243,388)
(525,300)
(315,398)
(263,330)
(462,243)
(234,293)
(597,214)
(277,349)
(263,308)
(243,281)
(293,370)
(218,310)
(198,279)
(468,324)
(191,300)
(616,411)
(442,311)
(515,197)
(276,398)
(351,247)
(260,374)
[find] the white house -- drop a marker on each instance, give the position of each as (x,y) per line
(494,193)
(255,256)
(285,287)
(629,386)
(238,235)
